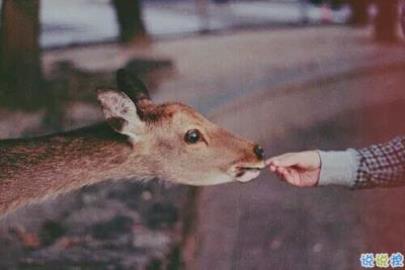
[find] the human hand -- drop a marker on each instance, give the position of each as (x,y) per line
(300,169)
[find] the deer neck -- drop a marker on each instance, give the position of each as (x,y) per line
(32,169)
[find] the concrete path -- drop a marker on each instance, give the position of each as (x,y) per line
(84,21)
(212,71)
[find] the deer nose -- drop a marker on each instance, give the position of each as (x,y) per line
(259,151)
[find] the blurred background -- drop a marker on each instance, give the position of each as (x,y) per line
(289,74)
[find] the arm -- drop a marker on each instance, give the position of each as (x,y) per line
(382,165)
(338,167)
(377,165)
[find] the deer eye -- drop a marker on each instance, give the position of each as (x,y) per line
(192,136)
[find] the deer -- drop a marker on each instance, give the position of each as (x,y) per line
(138,140)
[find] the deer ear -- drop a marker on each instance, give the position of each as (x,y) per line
(121,113)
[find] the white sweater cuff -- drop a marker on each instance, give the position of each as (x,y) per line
(339,167)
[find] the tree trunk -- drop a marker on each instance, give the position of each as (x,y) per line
(386,21)
(359,12)
(403,19)
(129,17)
(20,66)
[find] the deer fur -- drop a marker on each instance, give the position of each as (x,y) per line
(139,140)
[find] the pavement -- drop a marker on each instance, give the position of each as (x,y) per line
(212,71)
(86,21)
(290,90)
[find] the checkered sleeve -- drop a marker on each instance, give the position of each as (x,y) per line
(382,165)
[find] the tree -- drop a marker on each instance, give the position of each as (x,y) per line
(359,12)
(403,19)
(20,66)
(386,21)
(129,17)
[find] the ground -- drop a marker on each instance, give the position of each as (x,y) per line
(88,21)
(289,90)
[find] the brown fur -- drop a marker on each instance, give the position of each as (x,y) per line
(35,168)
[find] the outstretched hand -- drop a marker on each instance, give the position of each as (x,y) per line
(300,169)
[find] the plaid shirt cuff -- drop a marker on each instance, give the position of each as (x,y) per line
(382,165)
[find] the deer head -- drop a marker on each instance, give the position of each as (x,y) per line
(177,143)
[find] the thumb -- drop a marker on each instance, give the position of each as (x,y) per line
(304,160)
(285,160)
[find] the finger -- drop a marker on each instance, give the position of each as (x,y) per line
(291,178)
(280,170)
(283,170)
(288,160)
(273,168)
(269,161)
(280,177)
(295,179)
(286,175)
(274,160)
(305,160)
(277,172)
